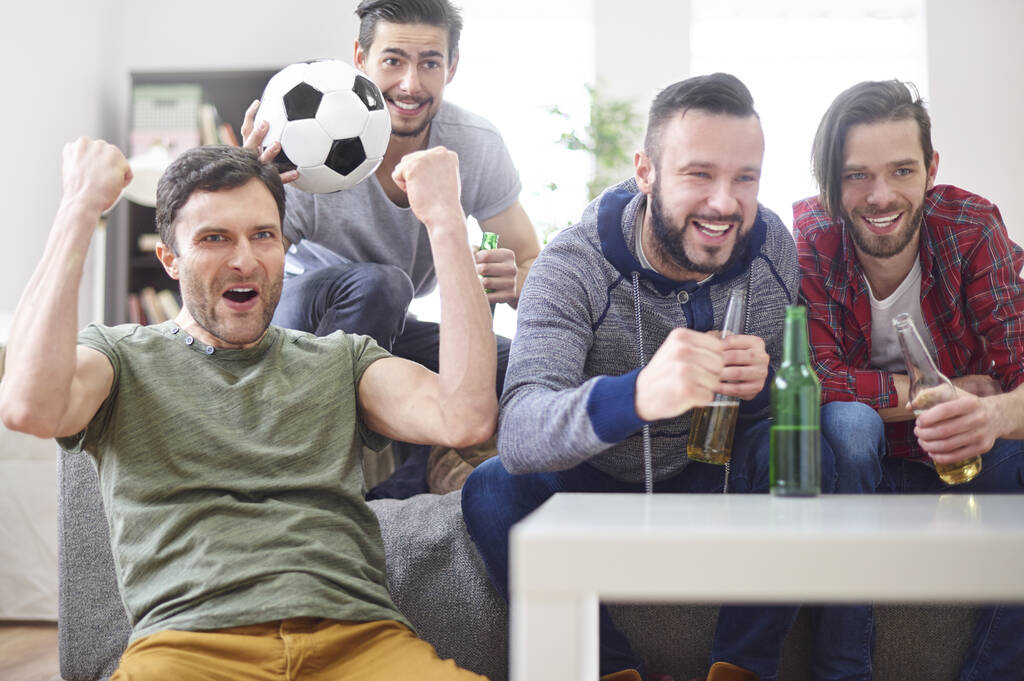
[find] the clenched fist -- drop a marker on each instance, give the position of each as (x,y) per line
(684,373)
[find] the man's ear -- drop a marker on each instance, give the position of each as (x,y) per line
(933,170)
(644,171)
(451,69)
(358,56)
(165,254)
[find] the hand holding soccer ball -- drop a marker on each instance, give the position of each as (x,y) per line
(328,122)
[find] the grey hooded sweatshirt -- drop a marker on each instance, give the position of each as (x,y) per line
(571,381)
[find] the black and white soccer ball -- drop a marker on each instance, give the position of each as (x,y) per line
(331,121)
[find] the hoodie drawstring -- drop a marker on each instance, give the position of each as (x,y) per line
(648,457)
(648,463)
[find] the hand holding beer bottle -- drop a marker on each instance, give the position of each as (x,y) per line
(929,387)
(712,427)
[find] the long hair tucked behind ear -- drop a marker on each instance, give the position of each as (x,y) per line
(864,103)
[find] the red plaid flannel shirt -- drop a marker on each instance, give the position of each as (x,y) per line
(970,297)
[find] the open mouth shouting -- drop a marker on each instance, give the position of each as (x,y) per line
(241,298)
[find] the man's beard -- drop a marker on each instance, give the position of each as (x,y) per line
(204,314)
(888,245)
(668,236)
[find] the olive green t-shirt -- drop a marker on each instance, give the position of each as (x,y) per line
(232,479)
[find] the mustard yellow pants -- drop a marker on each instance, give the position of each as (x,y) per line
(300,648)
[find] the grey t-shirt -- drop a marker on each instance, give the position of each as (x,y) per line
(362,224)
(232,481)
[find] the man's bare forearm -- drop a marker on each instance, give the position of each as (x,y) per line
(467,357)
(42,358)
(1010,407)
(41,354)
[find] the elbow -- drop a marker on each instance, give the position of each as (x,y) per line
(22,418)
(476,433)
(475,428)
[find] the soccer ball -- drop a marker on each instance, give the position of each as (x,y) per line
(330,120)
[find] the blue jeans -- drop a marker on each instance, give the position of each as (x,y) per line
(749,636)
(857,437)
(333,294)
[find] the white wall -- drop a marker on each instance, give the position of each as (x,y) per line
(49,67)
(640,47)
(975,63)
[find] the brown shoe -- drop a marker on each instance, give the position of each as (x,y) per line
(723,671)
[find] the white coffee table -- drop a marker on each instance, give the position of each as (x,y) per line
(578,549)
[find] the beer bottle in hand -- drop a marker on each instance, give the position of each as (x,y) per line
(712,427)
(488,242)
(796,414)
(928,387)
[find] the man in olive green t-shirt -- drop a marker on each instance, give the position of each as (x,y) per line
(227,448)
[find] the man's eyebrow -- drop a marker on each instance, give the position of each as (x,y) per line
(711,164)
(909,161)
(422,55)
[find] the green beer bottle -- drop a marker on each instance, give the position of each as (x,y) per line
(796,414)
(488,242)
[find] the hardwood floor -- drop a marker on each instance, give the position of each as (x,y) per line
(28,652)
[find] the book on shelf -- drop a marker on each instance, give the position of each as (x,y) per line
(168,303)
(147,242)
(151,307)
(135,313)
(227,134)
(209,121)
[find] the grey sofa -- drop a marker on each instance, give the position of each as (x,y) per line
(438,581)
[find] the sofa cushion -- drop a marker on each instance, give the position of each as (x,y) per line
(438,581)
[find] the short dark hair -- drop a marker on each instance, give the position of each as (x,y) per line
(717,93)
(209,169)
(867,102)
(431,12)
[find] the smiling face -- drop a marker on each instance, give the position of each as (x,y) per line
(703,193)
(409,63)
(884,182)
(230,262)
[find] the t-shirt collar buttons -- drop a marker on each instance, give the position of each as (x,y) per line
(189,340)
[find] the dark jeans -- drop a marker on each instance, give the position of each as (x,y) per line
(750,636)
(369,299)
(857,436)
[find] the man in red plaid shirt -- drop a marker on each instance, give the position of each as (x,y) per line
(882,239)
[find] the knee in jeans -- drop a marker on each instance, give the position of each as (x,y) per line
(478,489)
(385,285)
(856,434)
(851,421)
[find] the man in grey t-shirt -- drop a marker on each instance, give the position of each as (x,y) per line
(228,449)
(360,256)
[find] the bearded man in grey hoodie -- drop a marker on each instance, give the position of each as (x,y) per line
(612,352)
